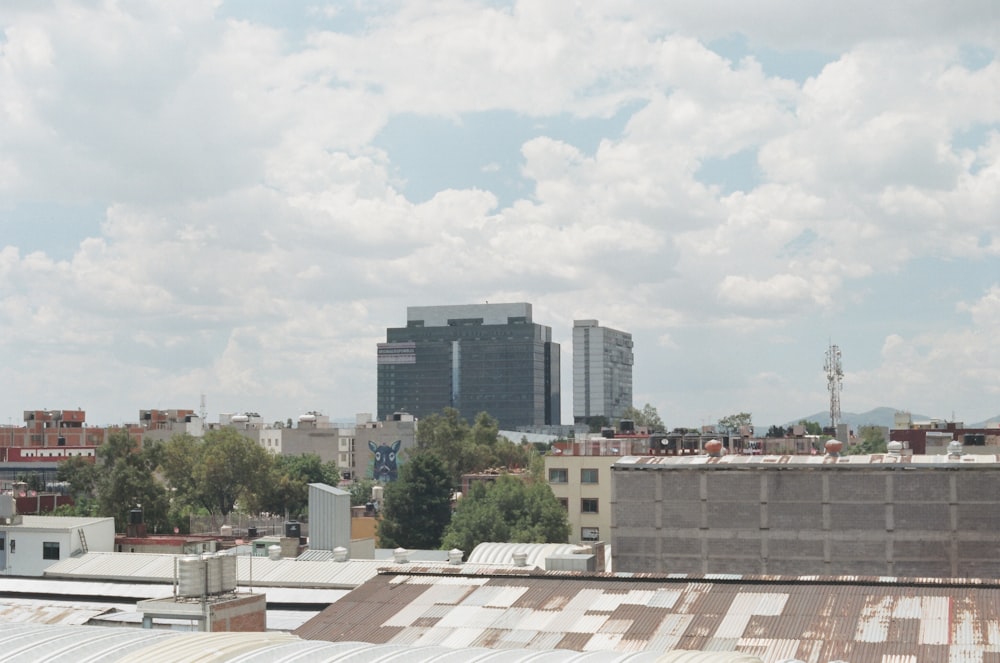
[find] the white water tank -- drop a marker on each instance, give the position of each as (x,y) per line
(228,563)
(213,573)
(274,552)
(190,576)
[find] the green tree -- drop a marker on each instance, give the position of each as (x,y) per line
(218,471)
(812,427)
(509,510)
(417,505)
(123,478)
(872,442)
(81,474)
(287,489)
(734,423)
(361,491)
(130,484)
(598,422)
(463,449)
(775,431)
(647,417)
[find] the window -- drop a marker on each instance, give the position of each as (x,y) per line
(590,534)
(50,550)
(588,475)
(564,502)
(558,475)
(588,505)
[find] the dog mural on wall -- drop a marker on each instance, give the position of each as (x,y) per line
(385,467)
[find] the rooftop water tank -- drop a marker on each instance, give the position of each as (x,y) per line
(228,567)
(190,577)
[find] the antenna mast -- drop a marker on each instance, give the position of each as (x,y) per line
(834,375)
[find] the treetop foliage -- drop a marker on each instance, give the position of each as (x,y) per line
(734,422)
(185,475)
(647,417)
(509,510)
(417,505)
(464,449)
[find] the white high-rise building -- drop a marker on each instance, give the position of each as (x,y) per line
(602,371)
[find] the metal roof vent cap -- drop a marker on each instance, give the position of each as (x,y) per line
(400,555)
(274,552)
(833,448)
(895,449)
(955,449)
(340,554)
(520,559)
(455,556)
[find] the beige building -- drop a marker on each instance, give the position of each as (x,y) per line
(579,473)
(583,485)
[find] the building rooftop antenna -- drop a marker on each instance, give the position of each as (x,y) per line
(834,376)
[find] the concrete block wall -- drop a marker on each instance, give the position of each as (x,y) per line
(826,520)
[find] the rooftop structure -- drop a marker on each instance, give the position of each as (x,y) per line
(881,514)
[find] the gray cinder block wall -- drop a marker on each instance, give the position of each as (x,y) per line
(895,520)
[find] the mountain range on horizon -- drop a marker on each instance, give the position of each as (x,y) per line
(879,416)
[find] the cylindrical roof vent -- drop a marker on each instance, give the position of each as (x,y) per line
(274,552)
(340,554)
(520,559)
(401,555)
(455,556)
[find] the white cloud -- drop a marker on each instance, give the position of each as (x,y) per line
(255,242)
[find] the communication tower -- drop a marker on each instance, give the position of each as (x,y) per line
(834,376)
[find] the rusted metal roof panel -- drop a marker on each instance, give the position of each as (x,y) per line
(774,618)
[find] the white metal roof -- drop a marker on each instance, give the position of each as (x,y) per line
(502,554)
(92,644)
(54,522)
(251,571)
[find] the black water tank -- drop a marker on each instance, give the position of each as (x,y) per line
(251,532)
(135,517)
(292,529)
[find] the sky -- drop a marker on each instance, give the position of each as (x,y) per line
(234,199)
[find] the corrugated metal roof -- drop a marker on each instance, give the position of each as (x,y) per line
(137,591)
(503,553)
(735,461)
(34,611)
(776,619)
(83,644)
(255,571)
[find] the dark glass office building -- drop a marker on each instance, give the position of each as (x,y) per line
(475,358)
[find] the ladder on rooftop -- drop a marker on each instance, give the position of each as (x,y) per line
(83,539)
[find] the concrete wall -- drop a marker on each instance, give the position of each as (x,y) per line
(866,520)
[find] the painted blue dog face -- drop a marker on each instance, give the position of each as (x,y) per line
(385,467)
